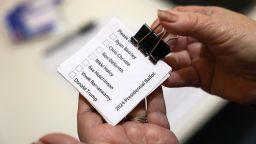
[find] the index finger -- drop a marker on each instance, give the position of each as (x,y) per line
(206,10)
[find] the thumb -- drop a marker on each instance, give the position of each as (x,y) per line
(58,138)
(191,24)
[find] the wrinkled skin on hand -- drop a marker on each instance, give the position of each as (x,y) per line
(93,130)
(217,51)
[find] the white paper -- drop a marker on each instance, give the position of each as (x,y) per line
(112,74)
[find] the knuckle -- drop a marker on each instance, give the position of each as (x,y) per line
(178,8)
(193,20)
(199,22)
(191,17)
(208,11)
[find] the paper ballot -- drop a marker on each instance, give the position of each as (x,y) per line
(112,74)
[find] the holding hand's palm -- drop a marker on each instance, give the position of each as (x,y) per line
(92,129)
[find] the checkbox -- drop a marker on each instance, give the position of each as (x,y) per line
(85,62)
(92,56)
(112,36)
(79,68)
(99,49)
(106,43)
(72,74)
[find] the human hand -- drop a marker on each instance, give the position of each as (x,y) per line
(217,51)
(93,130)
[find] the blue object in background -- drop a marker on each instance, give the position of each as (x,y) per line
(32,18)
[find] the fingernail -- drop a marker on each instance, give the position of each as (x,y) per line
(166,16)
(37,142)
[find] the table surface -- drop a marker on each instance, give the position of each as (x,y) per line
(34,101)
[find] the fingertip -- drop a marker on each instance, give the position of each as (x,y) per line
(178,60)
(155,23)
(168,16)
(172,27)
(186,24)
(57,138)
(187,76)
(171,81)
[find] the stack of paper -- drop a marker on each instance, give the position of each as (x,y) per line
(112,74)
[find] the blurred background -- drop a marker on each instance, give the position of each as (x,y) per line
(37,35)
